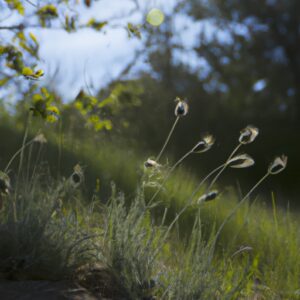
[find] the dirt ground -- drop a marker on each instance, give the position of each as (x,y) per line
(43,290)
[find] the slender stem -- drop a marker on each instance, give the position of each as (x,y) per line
(16,154)
(33,177)
(236,208)
(224,167)
(28,166)
(167,140)
(204,179)
(193,194)
(24,143)
(60,145)
(173,223)
(188,203)
(169,173)
(21,151)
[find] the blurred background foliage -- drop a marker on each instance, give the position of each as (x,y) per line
(252,76)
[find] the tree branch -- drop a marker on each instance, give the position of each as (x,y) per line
(13,27)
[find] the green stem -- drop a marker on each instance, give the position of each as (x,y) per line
(16,154)
(60,145)
(169,173)
(188,203)
(224,167)
(204,179)
(21,151)
(24,144)
(235,210)
(167,140)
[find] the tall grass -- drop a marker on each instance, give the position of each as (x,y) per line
(41,234)
(54,232)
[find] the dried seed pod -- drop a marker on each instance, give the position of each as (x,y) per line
(248,134)
(212,195)
(150,163)
(278,165)
(181,108)
(4,183)
(77,176)
(40,138)
(205,144)
(241,161)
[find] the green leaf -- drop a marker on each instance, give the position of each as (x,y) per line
(17,5)
(30,74)
(96,25)
(27,72)
(48,11)
(134,30)
(53,114)
(34,39)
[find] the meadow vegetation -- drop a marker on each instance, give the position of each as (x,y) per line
(79,203)
(130,228)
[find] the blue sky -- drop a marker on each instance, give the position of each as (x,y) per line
(92,58)
(89,58)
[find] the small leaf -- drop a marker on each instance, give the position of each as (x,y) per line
(48,10)
(21,36)
(96,24)
(134,30)
(39,73)
(16,4)
(27,72)
(52,114)
(30,74)
(33,37)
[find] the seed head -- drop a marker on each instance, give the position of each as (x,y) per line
(77,176)
(278,165)
(4,183)
(150,163)
(181,108)
(241,161)
(40,138)
(208,196)
(205,144)
(248,134)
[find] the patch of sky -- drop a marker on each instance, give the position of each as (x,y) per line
(215,85)
(259,85)
(278,55)
(75,60)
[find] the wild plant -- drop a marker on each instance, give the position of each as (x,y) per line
(275,167)
(196,277)
(181,110)
(40,238)
(247,136)
(128,245)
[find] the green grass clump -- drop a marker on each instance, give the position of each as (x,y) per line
(129,245)
(146,260)
(40,237)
